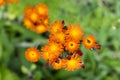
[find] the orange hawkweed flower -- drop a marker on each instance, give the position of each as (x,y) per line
(2,2)
(71,45)
(56,27)
(33,16)
(42,10)
(74,63)
(62,39)
(58,37)
(40,28)
(34,21)
(51,51)
(53,48)
(27,11)
(31,13)
(74,32)
(49,57)
(60,64)
(89,42)
(28,23)
(32,54)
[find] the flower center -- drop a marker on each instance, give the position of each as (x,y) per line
(71,44)
(33,54)
(88,41)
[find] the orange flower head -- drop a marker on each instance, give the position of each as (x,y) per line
(40,28)
(28,23)
(71,45)
(31,13)
(34,21)
(46,21)
(89,42)
(54,48)
(34,16)
(74,32)
(60,64)
(43,21)
(49,57)
(42,10)
(32,55)
(46,56)
(56,27)
(28,10)
(58,37)
(74,63)
(51,51)
(2,2)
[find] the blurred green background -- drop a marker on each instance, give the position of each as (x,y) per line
(98,17)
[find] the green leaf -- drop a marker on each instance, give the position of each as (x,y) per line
(6,74)
(37,75)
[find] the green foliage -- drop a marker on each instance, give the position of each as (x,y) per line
(98,17)
(7,74)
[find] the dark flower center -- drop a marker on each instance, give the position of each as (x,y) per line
(88,41)
(71,44)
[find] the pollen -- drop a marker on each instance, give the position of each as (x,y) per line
(32,54)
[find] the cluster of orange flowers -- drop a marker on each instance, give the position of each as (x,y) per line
(62,49)
(2,2)
(36,18)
